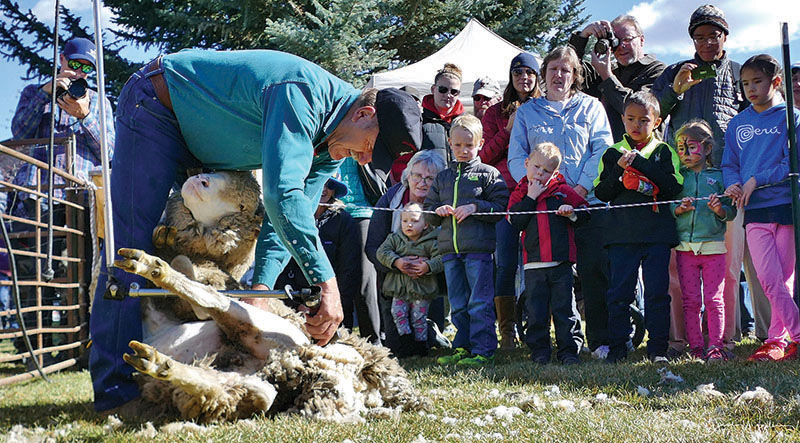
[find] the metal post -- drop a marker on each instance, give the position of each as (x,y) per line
(101,92)
(793,167)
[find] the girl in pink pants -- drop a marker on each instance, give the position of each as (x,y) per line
(700,256)
(757,154)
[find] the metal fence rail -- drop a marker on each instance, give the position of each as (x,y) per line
(55,312)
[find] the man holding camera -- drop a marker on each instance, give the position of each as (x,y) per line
(707,87)
(77,113)
(612,82)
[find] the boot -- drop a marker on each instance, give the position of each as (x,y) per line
(406,347)
(504,305)
(421,348)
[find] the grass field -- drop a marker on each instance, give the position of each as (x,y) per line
(512,401)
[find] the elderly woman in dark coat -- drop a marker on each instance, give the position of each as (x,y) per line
(413,187)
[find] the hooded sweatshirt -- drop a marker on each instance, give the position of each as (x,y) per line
(757,145)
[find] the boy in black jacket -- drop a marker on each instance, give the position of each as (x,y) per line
(548,251)
(639,169)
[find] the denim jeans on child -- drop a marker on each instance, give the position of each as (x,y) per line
(549,290)
(471,294)
(625,260)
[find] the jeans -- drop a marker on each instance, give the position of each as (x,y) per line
(506,255)
(625,260)
(7,304)
(593,271)
(148,142)
(549,290)
(471,295)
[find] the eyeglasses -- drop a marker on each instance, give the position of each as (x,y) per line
(516,72)
(716,38)
(78,66)
(445,90)
(628,40)
(480,98)
(418,177)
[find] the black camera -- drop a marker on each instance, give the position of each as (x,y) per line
(608,41)
(77,89)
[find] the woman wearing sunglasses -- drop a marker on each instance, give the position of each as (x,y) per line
(523,83)
(439,108)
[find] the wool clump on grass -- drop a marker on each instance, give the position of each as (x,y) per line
(708,390)
(758,395)
(668,377)
(504,412)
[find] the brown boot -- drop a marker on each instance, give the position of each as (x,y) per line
(504,306)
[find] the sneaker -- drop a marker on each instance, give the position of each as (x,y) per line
(570,360)
(615,358)
(455,357)
(768,352)
(715,355)
(698,353)
(435,337)
(600,353)
(674,354)
(790,352)
(541,359)
(476,361)
(659,359)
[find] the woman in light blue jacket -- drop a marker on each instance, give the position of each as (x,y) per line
(578,125)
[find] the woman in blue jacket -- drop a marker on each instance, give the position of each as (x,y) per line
(578,125)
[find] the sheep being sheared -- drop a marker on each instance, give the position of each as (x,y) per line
(250,360)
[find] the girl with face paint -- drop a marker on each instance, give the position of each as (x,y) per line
(700,256)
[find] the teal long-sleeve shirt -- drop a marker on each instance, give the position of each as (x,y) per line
(245,110)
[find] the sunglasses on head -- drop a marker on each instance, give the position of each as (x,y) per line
(516,72)
(78,66)
(445,90)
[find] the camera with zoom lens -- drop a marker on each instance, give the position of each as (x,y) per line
(608,41)
(77,89)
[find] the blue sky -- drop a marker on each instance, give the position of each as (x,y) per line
(754,30)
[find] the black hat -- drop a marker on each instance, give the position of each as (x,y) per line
(399,122)
(708,15)
(413,92)
(524,59)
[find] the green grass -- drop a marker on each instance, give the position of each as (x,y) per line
(672,411)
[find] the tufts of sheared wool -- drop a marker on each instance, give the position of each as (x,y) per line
(531,402)
(758,396)
(564,405)
(184,426)
(148,431)
(504,412)
(384,413)
(708,390)
(668,377)
(112,423)
(641,390)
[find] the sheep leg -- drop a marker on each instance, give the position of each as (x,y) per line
(256,330)
(204,394)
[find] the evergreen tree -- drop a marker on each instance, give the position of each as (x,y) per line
(351,38)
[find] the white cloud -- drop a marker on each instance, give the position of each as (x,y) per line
(45,11)
(754,28)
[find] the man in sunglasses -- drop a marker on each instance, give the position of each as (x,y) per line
(485,93)
(614,81)
(75,113)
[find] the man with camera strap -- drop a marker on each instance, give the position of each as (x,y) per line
(77,112)
(613,82)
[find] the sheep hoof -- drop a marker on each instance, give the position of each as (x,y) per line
(149,361)
(141,263)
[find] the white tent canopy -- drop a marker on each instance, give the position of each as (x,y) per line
(477,50)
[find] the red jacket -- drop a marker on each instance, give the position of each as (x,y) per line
(546,237)
(495,142)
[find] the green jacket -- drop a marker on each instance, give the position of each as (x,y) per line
(702,224)
(399,285)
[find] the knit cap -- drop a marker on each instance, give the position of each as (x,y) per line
(708,15)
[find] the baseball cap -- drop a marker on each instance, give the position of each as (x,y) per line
(80,48)
(486,87)
(399,122)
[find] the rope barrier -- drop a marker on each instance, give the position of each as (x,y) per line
(553,211)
